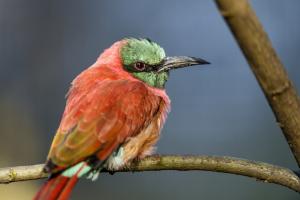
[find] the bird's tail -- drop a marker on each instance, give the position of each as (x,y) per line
(59,187)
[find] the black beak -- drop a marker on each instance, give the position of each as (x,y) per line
(180,62)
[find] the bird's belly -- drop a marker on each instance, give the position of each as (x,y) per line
(136,147)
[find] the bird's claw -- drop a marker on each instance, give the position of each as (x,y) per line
(93,175)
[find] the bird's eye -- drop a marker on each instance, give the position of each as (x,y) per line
(140,66)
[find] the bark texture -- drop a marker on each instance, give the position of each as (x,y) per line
(266,66)
(258,170)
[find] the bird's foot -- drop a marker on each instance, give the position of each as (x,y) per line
(97,166)
(93,175)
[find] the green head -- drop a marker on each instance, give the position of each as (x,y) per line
(147,61)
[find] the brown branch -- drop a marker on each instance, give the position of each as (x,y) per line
(259,170)
(266,66)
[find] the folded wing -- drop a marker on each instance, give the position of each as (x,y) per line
(100,119)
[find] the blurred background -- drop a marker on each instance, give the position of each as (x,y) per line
(216,110)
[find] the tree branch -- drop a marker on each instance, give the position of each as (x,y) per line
(267,68)
(259,170)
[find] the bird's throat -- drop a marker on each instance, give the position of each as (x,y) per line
(153,79)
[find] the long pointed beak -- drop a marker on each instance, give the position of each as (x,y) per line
(180,62)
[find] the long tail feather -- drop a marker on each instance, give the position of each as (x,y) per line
(59,187)
(53,188)
(65,194)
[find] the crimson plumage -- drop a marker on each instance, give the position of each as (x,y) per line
(106,107)
(114,112)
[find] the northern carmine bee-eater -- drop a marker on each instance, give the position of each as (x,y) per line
(114,113)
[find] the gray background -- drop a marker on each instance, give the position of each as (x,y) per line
(216,110)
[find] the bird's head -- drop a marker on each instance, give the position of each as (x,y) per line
(147,61)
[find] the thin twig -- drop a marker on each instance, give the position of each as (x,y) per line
(258,170)
(266,66)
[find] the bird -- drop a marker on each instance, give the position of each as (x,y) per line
(114,113)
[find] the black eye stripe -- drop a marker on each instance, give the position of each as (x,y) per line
(141,66)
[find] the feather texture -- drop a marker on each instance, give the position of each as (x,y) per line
(110,112)
(107,110)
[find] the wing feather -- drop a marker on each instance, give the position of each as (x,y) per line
(100,118)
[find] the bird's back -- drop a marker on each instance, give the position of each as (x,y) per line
(103,110)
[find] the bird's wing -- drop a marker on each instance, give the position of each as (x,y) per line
(100,119)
